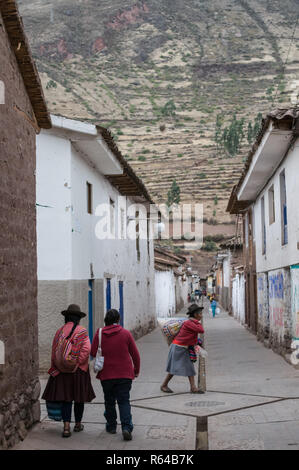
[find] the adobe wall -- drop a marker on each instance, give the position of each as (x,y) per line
(19,385)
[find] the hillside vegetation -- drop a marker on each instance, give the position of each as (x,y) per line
(159,73)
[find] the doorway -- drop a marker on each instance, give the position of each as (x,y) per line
(108,294)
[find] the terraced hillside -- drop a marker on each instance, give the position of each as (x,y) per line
(158,72)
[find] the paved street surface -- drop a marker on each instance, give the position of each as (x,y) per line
(245,370)
(252,400)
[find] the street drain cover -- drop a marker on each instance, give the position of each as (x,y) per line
(206,404)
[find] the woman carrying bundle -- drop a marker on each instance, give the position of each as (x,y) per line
(179,362)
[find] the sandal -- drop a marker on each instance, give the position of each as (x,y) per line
(165,389)
(197,391)
(66,433)
(78,427)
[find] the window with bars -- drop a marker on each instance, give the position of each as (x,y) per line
(271,205)
(137,235)
(263,226)
(283,209)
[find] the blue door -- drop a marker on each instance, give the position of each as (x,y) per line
(121,302)
(90,309)
(108,294)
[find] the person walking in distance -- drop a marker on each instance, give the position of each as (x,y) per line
(213,306)
(197,295)
(179,362)
(70,383)
(121,366)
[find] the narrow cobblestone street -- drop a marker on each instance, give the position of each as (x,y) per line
(251,402)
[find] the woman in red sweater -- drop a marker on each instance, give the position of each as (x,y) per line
(178,362)
(121,366)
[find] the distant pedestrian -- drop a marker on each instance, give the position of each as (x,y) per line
(121,366)
(192,296)
(197,295)
(179,362)
(72,383)
(213,306)
(189,298)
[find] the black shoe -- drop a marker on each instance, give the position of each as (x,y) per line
(111,431)
(127,435)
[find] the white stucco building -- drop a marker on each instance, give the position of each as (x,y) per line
(268,195)
(94,247)
(238,296)
(172,282)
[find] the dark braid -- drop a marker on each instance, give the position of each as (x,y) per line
(72,318)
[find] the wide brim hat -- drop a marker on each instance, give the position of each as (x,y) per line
(194,308)
(74,309)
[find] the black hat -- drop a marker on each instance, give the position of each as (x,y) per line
(74,309)
(194,308)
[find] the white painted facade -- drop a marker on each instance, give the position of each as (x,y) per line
(70,255)
(171,292)
(227,270)
(238,297)
(165,293)
(181,290)
(273,256)
(272,183)
(278,255)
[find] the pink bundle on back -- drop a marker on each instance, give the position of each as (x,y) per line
(66,351)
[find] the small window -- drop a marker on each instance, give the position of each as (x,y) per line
(89,197)
(148,221)
(137,236)
(263,226)
(271,205)
(283,209)
(246,230)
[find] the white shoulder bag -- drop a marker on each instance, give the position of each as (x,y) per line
(99,360)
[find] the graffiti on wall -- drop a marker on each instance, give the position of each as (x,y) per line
(260,283)
(276,314)
(295,300)
(276,299)
(260,287)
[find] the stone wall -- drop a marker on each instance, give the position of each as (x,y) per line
(19,411)
(144,329)
(19,389)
